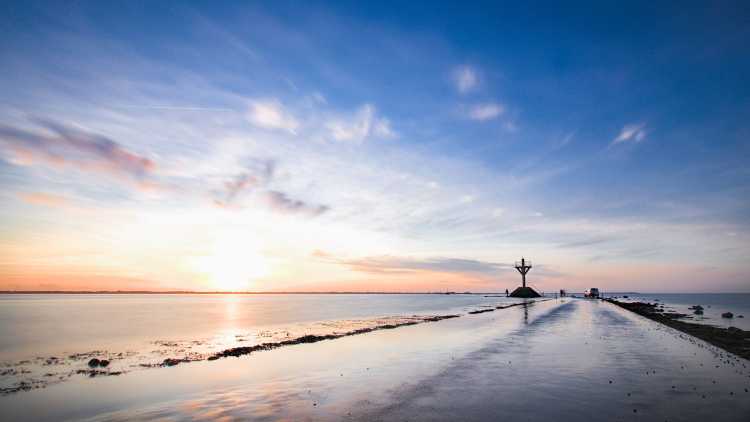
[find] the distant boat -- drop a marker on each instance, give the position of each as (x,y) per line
(592,293)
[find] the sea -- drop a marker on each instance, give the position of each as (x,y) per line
(714,305)
(48,338)
(499,358)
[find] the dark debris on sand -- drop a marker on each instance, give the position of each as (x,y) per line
(97,372)
(481,311)
(732,339)
(311,338)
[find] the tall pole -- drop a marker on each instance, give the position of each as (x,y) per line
(523,269)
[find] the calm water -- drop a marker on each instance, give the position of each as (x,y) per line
(714,305)
(569,359)
(47,338)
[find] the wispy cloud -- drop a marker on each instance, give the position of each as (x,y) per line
(630,133)
(271,114)
(466,79)
(626,254)
(240,183)
(467,199)
(44,199)
(363,124)
(171,107)
(486,111)
(60,145)
(281,202)
(257,173)
(256,180)
(394,265)
(585,242)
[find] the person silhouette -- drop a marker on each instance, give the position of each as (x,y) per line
(506,292)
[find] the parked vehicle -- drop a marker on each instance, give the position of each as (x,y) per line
(592,293)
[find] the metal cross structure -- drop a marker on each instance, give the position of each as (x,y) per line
(523,267)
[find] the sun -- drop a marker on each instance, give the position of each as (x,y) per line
(234,264)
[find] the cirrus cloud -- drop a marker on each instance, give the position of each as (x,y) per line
(390,264)
(630,133)
(256,180)
(487,111)
(281,202)
(44,199)
(59,145)
(466,79)
(363,124)
(271,114)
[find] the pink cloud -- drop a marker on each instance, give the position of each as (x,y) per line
(57,145)
(45,199)
(280,202)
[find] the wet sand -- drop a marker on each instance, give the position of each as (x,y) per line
(567,359)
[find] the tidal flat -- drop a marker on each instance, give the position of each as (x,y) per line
(561,359)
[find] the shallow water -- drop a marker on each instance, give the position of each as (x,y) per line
(714,304)
(46,339)
(556,360)
(582,360)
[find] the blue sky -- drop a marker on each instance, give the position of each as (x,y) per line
(374,146)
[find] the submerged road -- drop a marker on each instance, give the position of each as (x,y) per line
(583,360)
(560,360)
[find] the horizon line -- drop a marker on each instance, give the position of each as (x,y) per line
(166,292)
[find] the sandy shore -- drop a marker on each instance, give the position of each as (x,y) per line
(558,360)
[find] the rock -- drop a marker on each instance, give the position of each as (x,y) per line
(698,311)
(93,363)
(736,333)
(727,315)
(103,363)
(740,316)
(696,308)
(525,292)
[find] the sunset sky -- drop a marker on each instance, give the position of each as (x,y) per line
(394,146)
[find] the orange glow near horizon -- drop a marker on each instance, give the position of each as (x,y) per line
(210,249)
(234,264)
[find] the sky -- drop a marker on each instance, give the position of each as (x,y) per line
(394,146)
